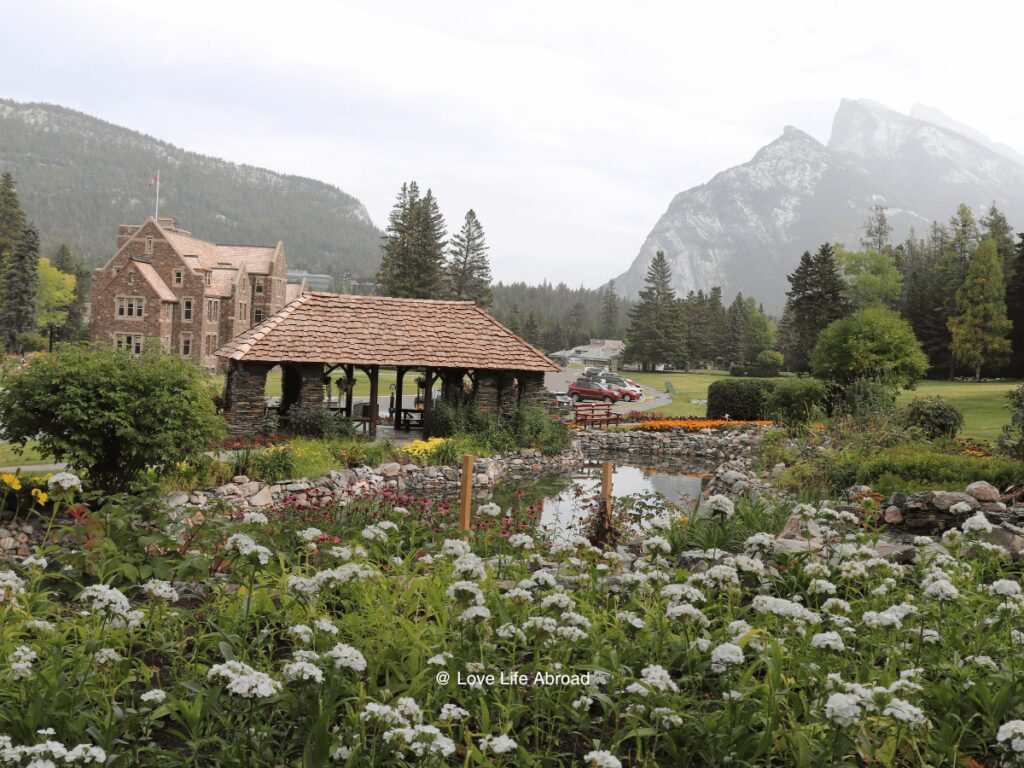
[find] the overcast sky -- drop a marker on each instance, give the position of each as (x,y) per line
(568,127)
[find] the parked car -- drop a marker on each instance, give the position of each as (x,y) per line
(560,403)
(628,390)
(590,389)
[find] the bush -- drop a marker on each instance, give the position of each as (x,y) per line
(534,428)
(490,434)
(111,413)
(737,369)
(739,398)
(866,401)
(935,416)
(795,401)
(317,421)
(875,343)
(769,363)
(1011,441)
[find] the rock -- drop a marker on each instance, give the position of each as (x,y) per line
(739,486)
(1009,540)
(239,479)
(482,479)
(179,499)
(262,498)
(898,500)
(793,547)
(983,491)
(943,500)
(857,490)
(301,485)
(229,489)
(732,476)
(796,529)
(893,515)
(779,468)
(390,469)
(996,507)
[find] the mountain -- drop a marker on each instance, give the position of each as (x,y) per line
(746,228)
(79,178)
(935,117)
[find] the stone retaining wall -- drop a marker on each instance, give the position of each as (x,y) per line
(707,447)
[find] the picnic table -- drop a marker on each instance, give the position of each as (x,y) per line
(596,415)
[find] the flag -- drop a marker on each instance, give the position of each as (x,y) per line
(155,179)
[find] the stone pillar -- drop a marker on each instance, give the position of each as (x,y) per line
(488,391)
(453,389)
(508,393)
(531,389)
(244,399)
(302,384)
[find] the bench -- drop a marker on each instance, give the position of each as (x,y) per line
(596,415)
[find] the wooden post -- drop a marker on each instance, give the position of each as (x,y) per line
(399,375)
(606,493)
(466,496)
(374,371)
(350,373)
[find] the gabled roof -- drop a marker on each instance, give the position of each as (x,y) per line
(258,259)
(377,330)
(149,274)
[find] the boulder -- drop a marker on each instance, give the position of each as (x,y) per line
(262,498)
(983,491)
(943,500)
(239,479)
(796,529)
(179,499)
(893,515)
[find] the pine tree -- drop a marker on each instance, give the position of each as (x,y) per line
(579,328)
(1015,310)
(758,331)
(609,312)
(20,286)
(994,225)
(12,219)
(531,332)
(980,328)
(877,229)
(816,298)
(655,335)
(393,277)
(737,330)
(468,271)
(718,325)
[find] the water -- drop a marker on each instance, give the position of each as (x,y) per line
(565,499)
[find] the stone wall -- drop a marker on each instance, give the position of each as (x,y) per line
(707,447)
(245,401)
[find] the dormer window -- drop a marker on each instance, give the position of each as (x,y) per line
(149,245)
(178,277)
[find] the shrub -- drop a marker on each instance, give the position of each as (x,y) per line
(875,343)
(1011,441)
(534,428)
(769,363)
(739,398)
(317,421)
(737,369)
(111,413)
(935,416)
(866,401)
(796,400)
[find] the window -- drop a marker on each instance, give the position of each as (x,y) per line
(257,316)
(178,277)
(241,312)
(129,341)
(212,309)
(186,345)
(149,245)
(130,306)
(207,277)
(211,343)
(258,282)
(186,310)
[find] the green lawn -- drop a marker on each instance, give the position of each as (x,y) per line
(8,458)
(362,388)
(983,404)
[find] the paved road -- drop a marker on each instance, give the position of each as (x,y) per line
(653,399)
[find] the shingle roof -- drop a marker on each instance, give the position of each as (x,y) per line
(150,275)
(258,259)
(376,330)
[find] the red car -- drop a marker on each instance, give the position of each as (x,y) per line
(588,389)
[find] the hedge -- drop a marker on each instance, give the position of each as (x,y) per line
(739,398)
(794,401)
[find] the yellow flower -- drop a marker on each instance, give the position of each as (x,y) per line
(11,481)
(39,496)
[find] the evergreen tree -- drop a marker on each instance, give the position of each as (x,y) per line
(468,270)
(515,321)
(554,339)
(428,248)
(1015,310)
(737,330)
(12,219)
(995,226)
(609,312)
(395,277)
(718,324)
(758,330)
(694,314)
(579,328)
(531,332)
(877,229)
(655,335)
(20,287)
(816,298)
(980,328)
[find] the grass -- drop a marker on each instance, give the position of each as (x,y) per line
(31,455)
(983,404)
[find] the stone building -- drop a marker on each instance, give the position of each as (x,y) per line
(455,342)
(191,295)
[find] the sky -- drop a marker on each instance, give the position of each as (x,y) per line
(567,126)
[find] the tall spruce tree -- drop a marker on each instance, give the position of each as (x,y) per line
(395,276)
(655,334)
(817,297)
(980,328)
(877,229)
(468,271)
(737,318)
(531,332)
(995,226)
(20,287)
(12,218)
(1015,310)
(609,312)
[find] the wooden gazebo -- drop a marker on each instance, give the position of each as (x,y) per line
(318,333)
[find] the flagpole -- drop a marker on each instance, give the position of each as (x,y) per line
(157,214)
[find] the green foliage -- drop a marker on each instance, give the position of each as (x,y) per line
(872,278)
(56,293)
(270,464)
(796,401)
(317,421)
(768,363)
(980,328)
(656,332)
(936,417)
(20,288)
(468,271)
(152,410)
(485,434)
(414,246)
(534,428)
(739,398)
(1011,441)
(816,298)
(751,516)
(874,343)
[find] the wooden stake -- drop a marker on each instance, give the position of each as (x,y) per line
(466,497)
(606,492)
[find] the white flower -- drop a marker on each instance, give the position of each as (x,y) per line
(326,625)
(455,548)
(682,593)
(1013,732)
(821,587)
(759,544)
(161,590)
(558,600)
(489,510)
(583,704)
(942,590)
(452,713)
(474,613)
(835,605)
(720,507)
(11,585)
(155,696)
(107,656)
(302,670)
(654,676)
(960,508)
(905,712)
(788,609)
(666,718)
(1004,587)
(32,560)
(724,655)
(347,553)
(843,708)
(66,481)
(657,544)
(440,659)
(301,632)
(518,595)
(628,617)
(421,740)
(976,523)
(468,591)
(242,680)
(601,758)
(310,534)
(21,660)
(686,612)
(520,541)
(469,566)
(831,640)
(245,546)
(111,604)
(348,657)
(83,753)
(257,518)
(499,745)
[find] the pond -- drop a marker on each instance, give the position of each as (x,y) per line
(566,499)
